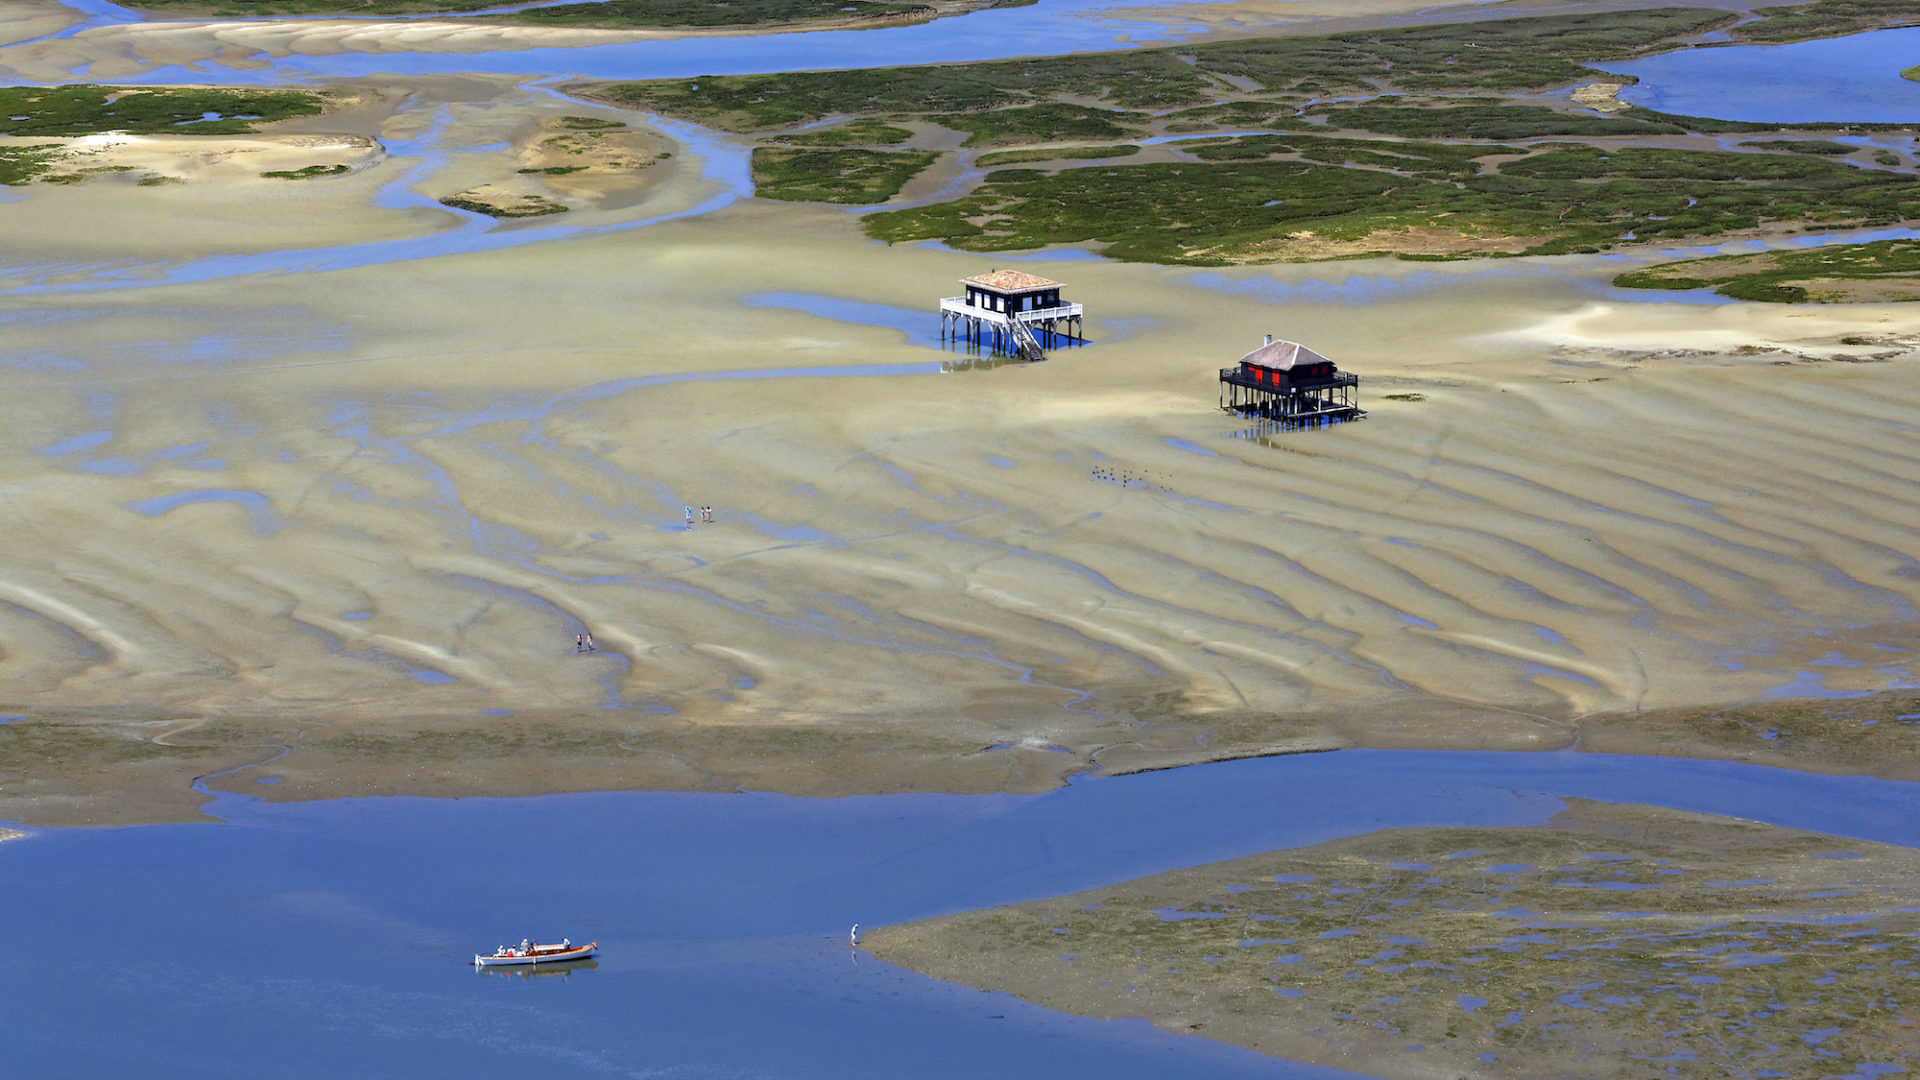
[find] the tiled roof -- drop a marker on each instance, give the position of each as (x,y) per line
(1010,281)
(1282,355)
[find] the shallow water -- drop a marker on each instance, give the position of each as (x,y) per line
(1046,28)
(327,939)
(1848,79)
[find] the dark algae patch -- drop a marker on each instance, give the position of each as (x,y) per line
(311,172)
(1843,273)
(87,110)
(1873,734)
(857,177)
(1616,941)
(502,205)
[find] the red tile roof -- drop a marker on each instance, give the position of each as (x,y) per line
(1010,281)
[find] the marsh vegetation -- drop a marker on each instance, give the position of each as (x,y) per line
(500,204)
(1880,271)
(1614,934)
(1283,196)
(24,164)
(84,109)
(1432,157)
(1826,18)
(855,177)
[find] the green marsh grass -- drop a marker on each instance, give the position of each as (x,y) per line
(854,177)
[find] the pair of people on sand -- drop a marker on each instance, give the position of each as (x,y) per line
(583,643)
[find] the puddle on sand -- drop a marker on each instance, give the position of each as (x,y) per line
(260,515)
(920,327)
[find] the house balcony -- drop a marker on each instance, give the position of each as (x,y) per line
(957,305)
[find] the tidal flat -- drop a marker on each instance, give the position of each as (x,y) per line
(1616,940)
(312,486)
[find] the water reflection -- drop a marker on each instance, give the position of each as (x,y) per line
(563,969)
(1267,432)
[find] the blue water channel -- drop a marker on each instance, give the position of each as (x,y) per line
(1852,79)
(1049,27)
(331,939)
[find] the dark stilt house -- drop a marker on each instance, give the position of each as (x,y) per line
(1292,385)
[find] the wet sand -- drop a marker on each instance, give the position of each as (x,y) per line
(378,502)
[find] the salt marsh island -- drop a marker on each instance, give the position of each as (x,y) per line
(1611,936)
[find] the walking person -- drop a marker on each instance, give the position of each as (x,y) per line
(579,644)
(688,510)
(590,647)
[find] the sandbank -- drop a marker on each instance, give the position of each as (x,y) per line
(157,201)
(377,503)
(26,20)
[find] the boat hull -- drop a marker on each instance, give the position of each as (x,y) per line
(557,956)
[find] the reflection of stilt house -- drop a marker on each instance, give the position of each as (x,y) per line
(1291,384)
(1010,312)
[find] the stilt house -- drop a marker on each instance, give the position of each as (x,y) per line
(1290,384)
(1012,313)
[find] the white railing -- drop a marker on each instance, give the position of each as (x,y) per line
(1023,341)
(957,305)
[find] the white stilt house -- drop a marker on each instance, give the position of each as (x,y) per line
(1011,312)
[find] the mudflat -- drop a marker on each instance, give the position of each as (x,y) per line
(309,464)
